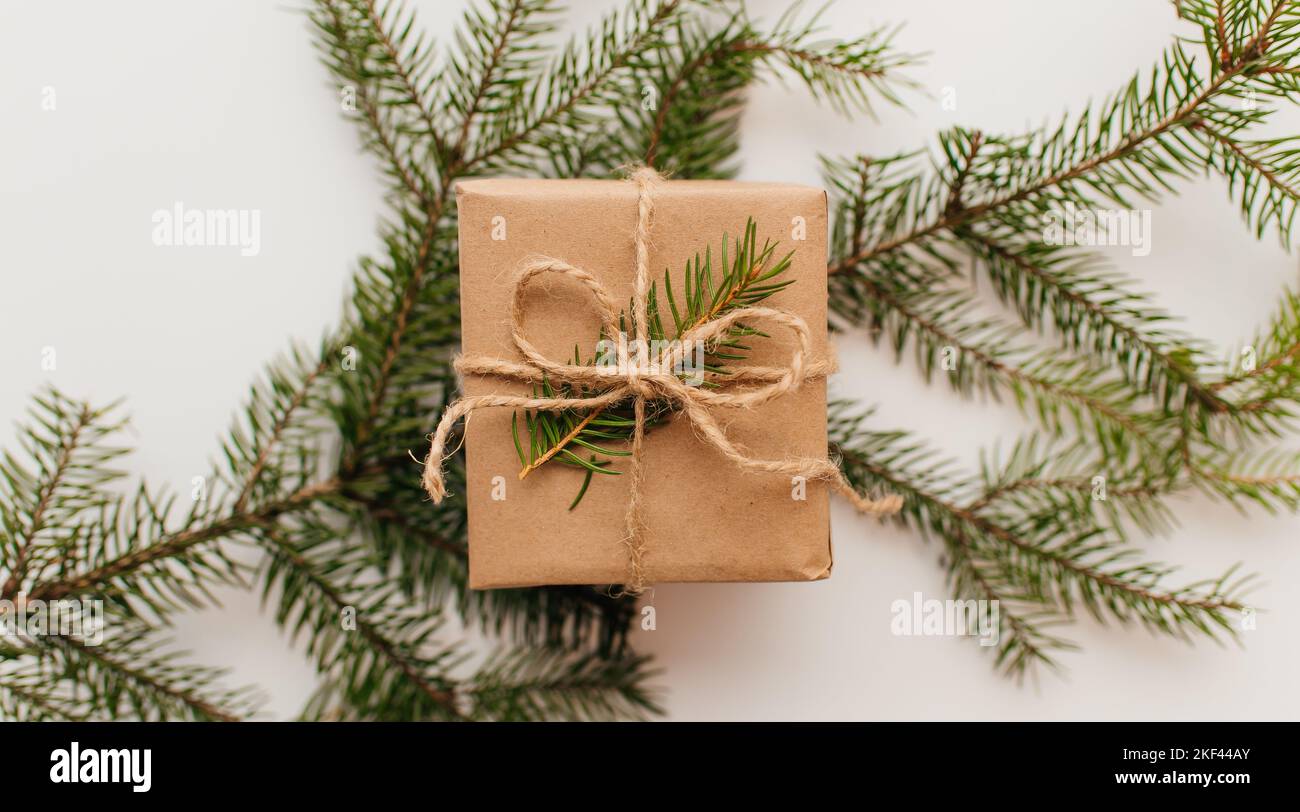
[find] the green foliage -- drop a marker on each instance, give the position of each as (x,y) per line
(523,686)
(72,533)
(315,470)
(582,438)
(686,121)
(1125,403)
(846,74)
(1021,536)
(355,563)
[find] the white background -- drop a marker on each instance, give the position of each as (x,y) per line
(223,105)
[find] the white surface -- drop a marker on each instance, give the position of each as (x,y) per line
(223,105)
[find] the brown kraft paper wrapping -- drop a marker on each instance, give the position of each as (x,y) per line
(706,519)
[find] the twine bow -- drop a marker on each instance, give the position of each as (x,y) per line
(634,379)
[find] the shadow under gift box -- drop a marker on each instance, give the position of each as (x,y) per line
(706,519)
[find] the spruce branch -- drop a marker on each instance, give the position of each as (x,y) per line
(412,76)
(497,54)
(132,672)
(397,395)
(1276,351)
(259,462)
(68,529)
(1136,142)
(1053,562)
(978,354)
(361,54)
(1023,640)
(126,571)
(589,72)
(376,657)
(717,61)
(844,74)
(27,697)
(133,675)
(986,197)
(1093,311)
(44,502)
(1263,175)
(531,685)
(381,658)
(427,556)
(1269,478)
(695,114)
(1041,475)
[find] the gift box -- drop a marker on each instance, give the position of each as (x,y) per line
(705,518)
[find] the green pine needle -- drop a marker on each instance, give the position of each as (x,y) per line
(744,279)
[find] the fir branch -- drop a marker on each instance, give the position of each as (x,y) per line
(64,484)
(143,680)
(67,528)
(398,394)
(27,697)
(697,105)
(131,673)
(276,406)
(355,53)
(1023,644)
(427,557)
(1267,183)
(1094,312)
(587,73)
(568,618)
(1055,562)
(1131,143)
(382,661)
(1042,475)
(1060,391)
(844,74)
(534,685)
(496,54)
(718,62)
(412,68)
(115,574)
(360,57)
(1268,478)
(1262,385)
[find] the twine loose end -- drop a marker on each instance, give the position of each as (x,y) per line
(434,483)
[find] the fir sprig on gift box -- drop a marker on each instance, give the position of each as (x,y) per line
(315,473)
(749,275)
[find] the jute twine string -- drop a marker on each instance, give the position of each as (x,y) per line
(641,381)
